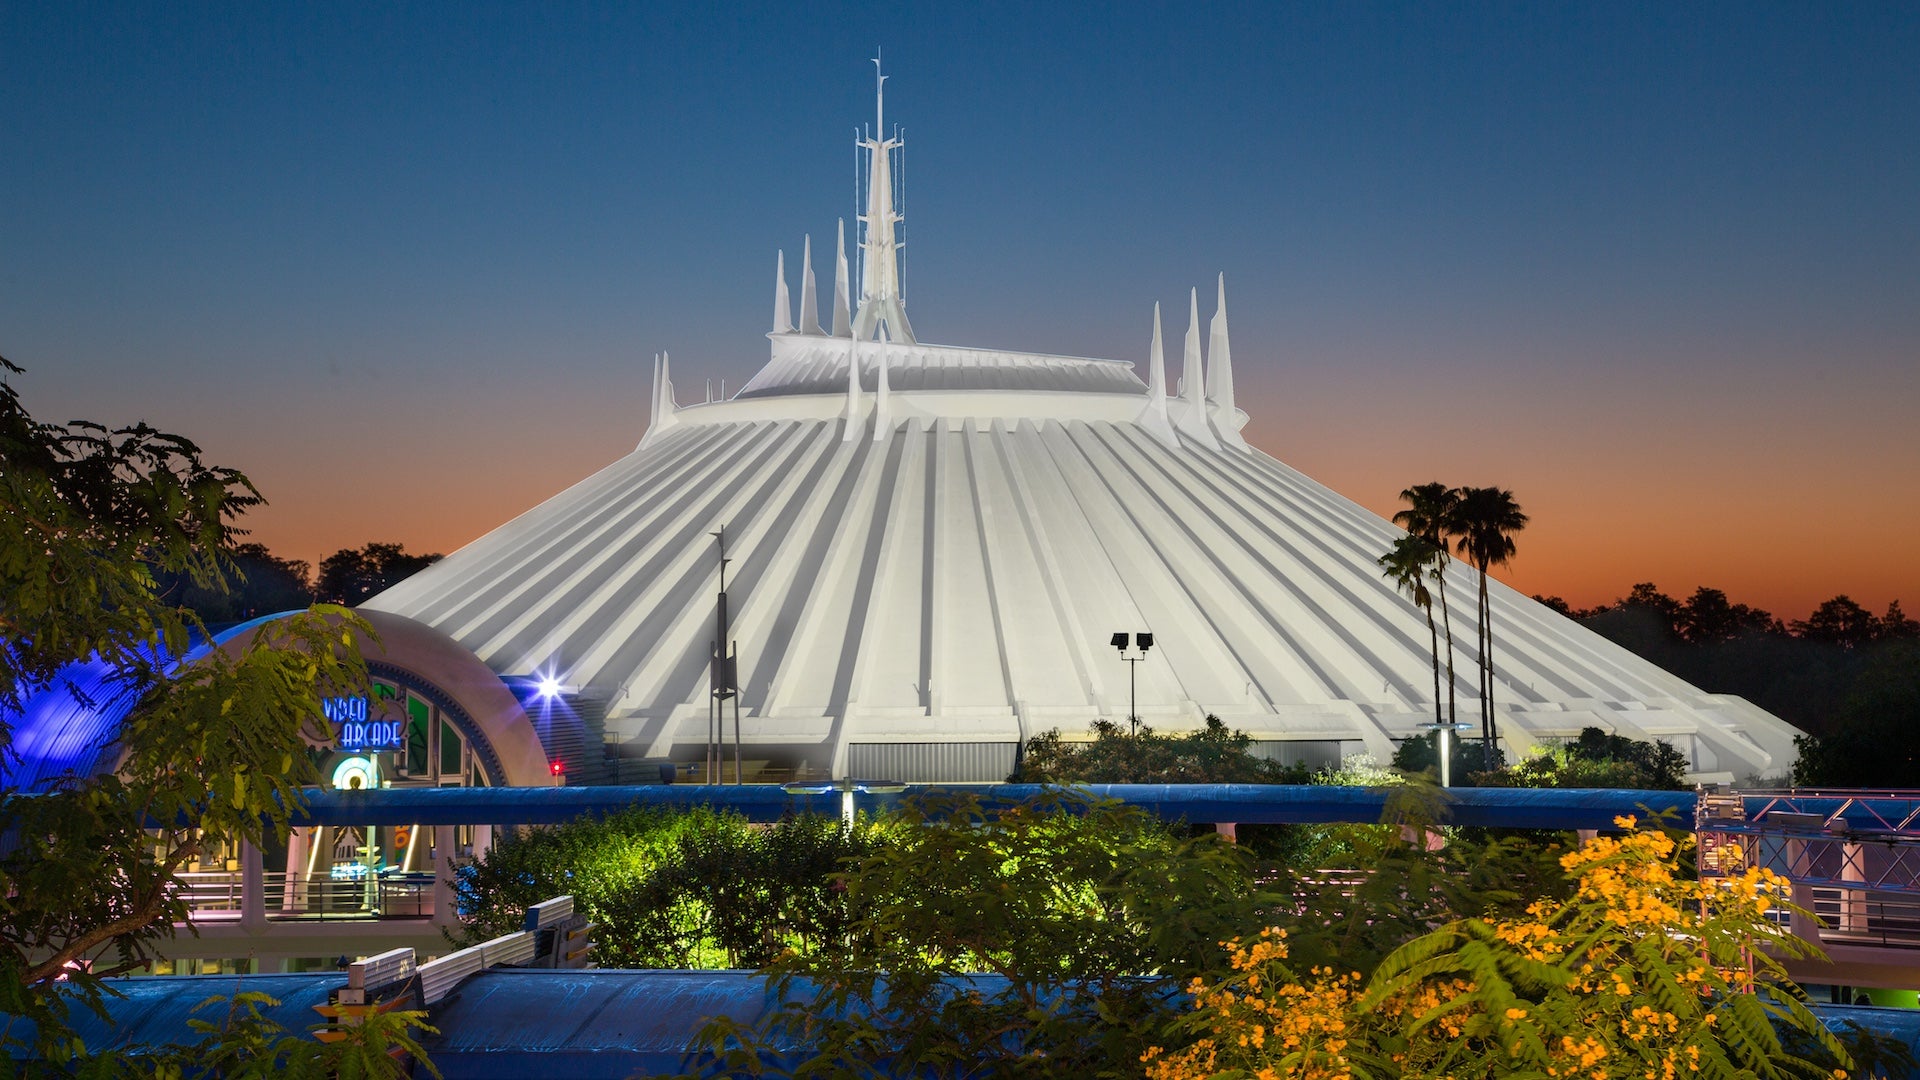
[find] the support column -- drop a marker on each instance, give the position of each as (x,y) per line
(445,909)
(1801,922)
(253,888)
(1853,901)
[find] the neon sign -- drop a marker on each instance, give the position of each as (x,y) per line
(358,733)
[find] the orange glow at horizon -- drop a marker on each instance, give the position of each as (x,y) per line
(1757,511)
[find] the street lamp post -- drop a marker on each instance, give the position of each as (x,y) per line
(847,786)
(1446,749)
(1144,641)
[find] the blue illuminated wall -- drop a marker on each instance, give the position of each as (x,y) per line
(72,727)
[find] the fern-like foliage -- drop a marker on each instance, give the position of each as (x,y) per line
(1642,971)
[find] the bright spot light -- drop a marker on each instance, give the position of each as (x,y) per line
(549,687)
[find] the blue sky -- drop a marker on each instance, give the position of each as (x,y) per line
(349,244)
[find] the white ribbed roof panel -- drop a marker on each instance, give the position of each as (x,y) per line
(958,579)
(814,364)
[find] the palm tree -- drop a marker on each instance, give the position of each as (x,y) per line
(1408,566)
(1484,522)
(1429,515)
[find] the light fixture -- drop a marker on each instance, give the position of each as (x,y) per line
(1444,749)
(846,786)
(548,687)
(353,774)
(1144,639)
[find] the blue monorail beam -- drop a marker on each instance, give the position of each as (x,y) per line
(1526,808)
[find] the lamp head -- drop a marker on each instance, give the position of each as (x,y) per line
(1120,642)
(1144,640)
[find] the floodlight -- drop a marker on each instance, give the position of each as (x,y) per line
(1144,640)
(1120,642)
(549,687)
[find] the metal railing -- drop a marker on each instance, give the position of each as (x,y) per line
(1859,917)
(220,893)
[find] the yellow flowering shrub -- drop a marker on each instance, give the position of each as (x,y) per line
(1641,973)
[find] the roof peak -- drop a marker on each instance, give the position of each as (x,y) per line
(881,299)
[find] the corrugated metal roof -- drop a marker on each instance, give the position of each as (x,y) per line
(508,1024)
(154,1009)
(71,727)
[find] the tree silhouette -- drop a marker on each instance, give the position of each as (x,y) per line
(1841,621)
(1484,521)
(1429,516)
(1411,562)
(350,576)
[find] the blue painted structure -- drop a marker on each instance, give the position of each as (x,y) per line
(70,726)
(1530,808)
(506,1024)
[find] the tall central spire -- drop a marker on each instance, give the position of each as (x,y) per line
(880,299)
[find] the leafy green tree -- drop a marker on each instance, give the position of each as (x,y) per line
(678,889)
(1431,509)
(261,584)
(350,576)
(1116,755)
(1421,754)
(1483,523)
(1036,940)
(212,752)
(1378,887)
(1638,970)
(246,1044)
(1596,759)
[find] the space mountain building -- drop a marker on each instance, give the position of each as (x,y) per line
(930,548)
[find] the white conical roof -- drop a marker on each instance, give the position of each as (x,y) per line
(948,583)
(958,580)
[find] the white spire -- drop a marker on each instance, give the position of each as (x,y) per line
(851,413)
(782,302)
(842,319)
(662,408)
(809,303)
(1154,417)
(1191,416)
(1226,418)
(880,299)
(882,406)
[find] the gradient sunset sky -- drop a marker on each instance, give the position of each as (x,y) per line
(1655,268)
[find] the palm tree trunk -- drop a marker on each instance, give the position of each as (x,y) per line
(1434,634)
(1486,602)
(1486,673)
(1446,620)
